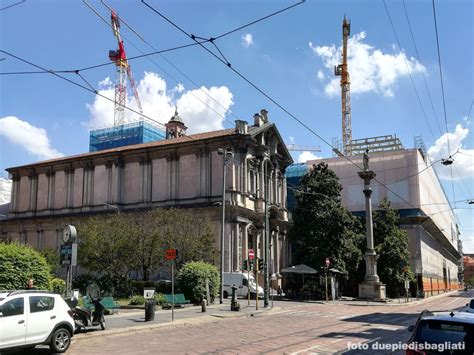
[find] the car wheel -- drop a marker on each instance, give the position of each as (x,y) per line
(226,294)
(102,323)
(60,340)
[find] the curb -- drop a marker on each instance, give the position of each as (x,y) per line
(215,317)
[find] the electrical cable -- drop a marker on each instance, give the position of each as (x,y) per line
(18,3)
(422,72)
(156,64)
(269,97)
(79,85)
(409,71)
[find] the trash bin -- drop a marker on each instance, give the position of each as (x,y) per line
(149,310)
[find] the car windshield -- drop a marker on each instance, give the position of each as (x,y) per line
(439,331)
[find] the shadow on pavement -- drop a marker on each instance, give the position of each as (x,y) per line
(383,318)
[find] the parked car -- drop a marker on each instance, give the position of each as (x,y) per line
(469,307)
(434,331)
(32,317)
(242,282)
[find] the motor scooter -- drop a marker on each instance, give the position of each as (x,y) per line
(84,318)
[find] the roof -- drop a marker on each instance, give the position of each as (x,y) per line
(300,269)
(460,317)
(164,142)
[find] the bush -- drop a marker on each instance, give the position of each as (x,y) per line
(81,282)
(19,263)
(115,285)
(192,280)
(137,300)
(57,285)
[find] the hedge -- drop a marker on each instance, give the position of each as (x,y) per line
(192,280)
(19,263)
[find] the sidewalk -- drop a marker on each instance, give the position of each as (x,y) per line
(133,320)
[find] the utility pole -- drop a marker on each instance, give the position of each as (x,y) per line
(266,243)
(226,155)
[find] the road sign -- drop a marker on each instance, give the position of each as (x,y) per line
(328,262)
(170,254)
(251,254)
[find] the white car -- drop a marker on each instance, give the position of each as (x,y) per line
(30,317)
(469,307)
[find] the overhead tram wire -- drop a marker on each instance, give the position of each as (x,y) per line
(156,64)
(422,72)
(15,4)
(76,84)
(269,98)
(199,87)
(409,70)
(449,160)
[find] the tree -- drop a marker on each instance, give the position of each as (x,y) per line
(136,241)
(192,280)
(104,244)
(391,244)
(322,228)
(19,263)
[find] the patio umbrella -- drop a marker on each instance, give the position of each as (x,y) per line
(300,269)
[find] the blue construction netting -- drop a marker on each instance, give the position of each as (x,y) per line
(293,174)
(123,135)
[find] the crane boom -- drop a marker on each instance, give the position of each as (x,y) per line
(123,69)
(342,71)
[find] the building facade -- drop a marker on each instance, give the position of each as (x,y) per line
(182,171)
(468,269)
(415,191)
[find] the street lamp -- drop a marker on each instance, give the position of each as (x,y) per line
(227,154)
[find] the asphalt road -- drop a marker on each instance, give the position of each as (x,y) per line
(291,328)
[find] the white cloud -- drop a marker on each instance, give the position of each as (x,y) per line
(307,155)
(292,139)
(463,160)
(247,40)
(33,139)
(321,75)
(199,112)
(370,69)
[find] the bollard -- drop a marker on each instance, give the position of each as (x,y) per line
(203,305)
(234,305)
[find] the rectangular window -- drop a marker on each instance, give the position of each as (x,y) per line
(14,307)
(41,303)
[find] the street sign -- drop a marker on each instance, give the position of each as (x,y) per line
(251,254)
(68,254)
(170,254)
(148,293)
(328,262)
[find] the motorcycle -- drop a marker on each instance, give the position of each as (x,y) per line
(84,318)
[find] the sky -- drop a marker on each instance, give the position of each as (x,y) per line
(289,56)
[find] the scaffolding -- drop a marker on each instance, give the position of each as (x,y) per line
(375,144)
(125,134)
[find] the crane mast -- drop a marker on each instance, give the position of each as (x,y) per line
(342,71)
(123,69)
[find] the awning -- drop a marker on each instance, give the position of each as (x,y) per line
(299,269)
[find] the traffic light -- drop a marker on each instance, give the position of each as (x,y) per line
(245,265)
(260,263)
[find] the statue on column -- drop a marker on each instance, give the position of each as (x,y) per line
(366,160)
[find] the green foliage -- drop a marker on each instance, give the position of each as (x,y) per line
(115,285)
(119,243)
(81,282)
(391,244)
(322,227)
(137,300)
(19,263)
(57,285)
(52,258)
(192,280)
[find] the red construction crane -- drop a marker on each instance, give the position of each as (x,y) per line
(342,71)
(119,57)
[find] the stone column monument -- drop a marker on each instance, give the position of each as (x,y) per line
(371,288)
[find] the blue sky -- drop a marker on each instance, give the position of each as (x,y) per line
(290,56)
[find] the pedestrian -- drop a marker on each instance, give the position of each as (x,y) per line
(30,285)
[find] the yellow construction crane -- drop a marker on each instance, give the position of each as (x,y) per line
(342,71)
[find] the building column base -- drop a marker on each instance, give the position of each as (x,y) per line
(372,290)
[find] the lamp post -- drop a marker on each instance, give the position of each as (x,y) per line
(226,155)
